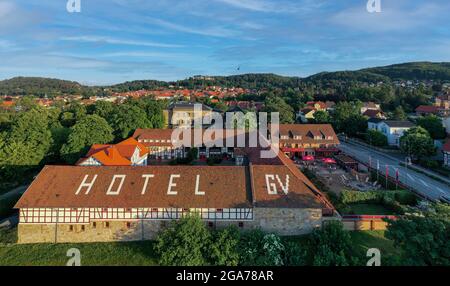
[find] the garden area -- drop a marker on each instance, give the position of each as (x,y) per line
(419,240)
(379,202)
(189,242)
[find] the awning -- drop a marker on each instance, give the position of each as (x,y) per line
(327,150)
(286,149)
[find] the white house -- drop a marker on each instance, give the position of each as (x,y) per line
(446,123)
(392,129)
(446,151)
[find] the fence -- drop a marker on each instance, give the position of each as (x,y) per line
(366,222)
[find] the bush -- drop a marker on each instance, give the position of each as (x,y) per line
(224,247)
(430,164)
(184,243)
(260,249)
(295,254)
(376,138)
(352,197)
(331,246)
(400,196)
(213,160)
(406,197)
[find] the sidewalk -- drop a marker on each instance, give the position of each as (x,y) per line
(414,166)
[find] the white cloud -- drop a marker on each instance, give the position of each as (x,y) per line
(278,6)
(396,16)
(114,41)
(205,31)
(254,5)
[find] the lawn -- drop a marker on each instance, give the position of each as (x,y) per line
(142,254)
(364,240)
(92,254)
(370,209)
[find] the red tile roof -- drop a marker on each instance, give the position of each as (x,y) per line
(427,109)
(115,155)
(56,186)
(306,130)
(372,113)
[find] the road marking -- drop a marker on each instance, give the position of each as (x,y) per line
(412,178)
(426,185)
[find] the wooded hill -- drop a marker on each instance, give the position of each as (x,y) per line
(423,71)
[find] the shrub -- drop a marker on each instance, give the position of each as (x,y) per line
(224,247)
(400,196)
(376,138)
(331,246)
(184,243)
(352,197)
(295,254)
(260,249)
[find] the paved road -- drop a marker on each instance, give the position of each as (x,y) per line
(421,183)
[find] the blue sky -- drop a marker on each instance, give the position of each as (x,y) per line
(113,41)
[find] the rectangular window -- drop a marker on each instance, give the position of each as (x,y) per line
(211,224)
(94,225)
(82,228)
(241,224)
(106,224)
(70,227)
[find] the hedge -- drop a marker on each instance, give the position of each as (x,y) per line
(401,196)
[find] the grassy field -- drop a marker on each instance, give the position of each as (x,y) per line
(141,253)
(92,254)
(364,240)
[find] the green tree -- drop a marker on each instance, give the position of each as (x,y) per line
(127,119)
(399,113)
(355,125)
(184,243)
(260,249)
(277,104)
(103,109)
(224,247)
(433,125)
(26,143)
(321,117)
(343,114)
(417,143)
(90,130)
(423,239)
(331,246)
(376,138)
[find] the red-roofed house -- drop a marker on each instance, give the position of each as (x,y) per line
(371,113)
(422,110)
(126,153)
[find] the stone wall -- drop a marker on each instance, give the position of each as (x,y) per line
(287,221)
(281,221)
(98,231)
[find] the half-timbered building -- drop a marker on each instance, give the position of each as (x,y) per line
(122,203)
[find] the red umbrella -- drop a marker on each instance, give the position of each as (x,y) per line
(329,161)
(308,158)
